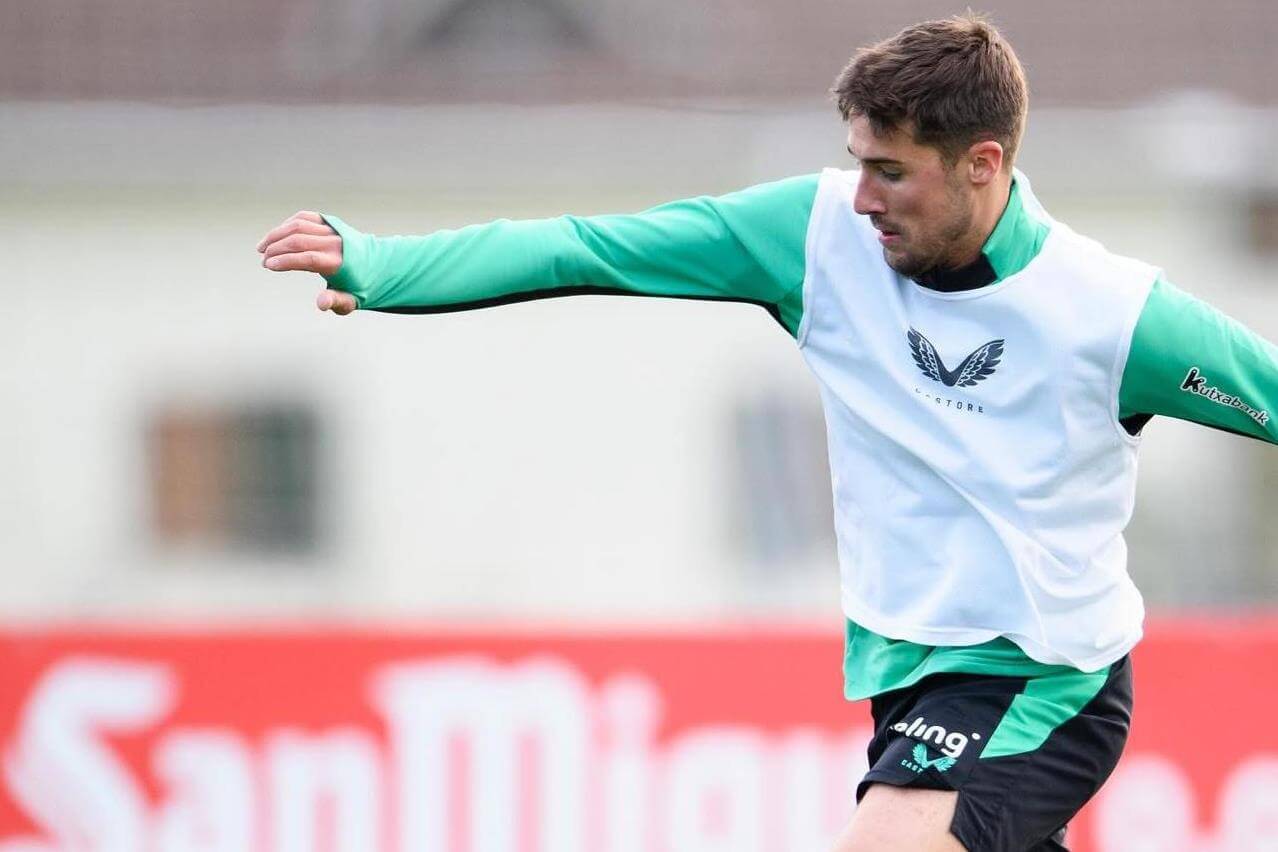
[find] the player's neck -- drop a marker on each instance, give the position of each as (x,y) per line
(988,208)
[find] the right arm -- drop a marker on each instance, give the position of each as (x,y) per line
(1190,361)
(746,246)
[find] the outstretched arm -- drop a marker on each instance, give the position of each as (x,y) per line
(747,246)
(1190,361)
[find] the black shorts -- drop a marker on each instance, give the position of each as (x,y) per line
(1024,754)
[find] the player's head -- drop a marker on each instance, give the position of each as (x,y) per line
(935,115)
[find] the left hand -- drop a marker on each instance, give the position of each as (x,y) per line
(304,242)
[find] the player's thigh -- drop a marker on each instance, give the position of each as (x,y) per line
(902,819)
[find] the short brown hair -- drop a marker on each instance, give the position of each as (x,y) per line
(955,81)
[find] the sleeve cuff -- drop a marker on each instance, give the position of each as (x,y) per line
(351,277)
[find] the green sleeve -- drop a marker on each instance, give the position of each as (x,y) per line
(747,246)
(1190,361)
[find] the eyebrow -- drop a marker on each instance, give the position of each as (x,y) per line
(875,161)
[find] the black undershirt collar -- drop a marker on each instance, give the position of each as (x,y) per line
(979,273)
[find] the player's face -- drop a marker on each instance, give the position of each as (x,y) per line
(917,202)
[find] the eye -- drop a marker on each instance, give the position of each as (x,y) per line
(889,174)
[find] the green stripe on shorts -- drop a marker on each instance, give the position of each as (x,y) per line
(1044,705)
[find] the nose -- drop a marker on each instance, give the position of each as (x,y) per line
(867,201)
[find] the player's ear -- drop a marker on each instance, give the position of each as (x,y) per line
(985,161)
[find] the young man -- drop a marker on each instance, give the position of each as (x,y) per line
(985,373)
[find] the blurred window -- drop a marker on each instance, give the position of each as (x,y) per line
(241,479)
(1263,222)
(1260,585)
(509,24)
(784,514)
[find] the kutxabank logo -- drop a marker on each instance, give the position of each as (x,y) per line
(974,368)
(1196,383)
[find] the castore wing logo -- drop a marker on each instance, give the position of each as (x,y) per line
(974,368)
(921,761)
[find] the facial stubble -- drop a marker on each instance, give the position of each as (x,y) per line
(936,252)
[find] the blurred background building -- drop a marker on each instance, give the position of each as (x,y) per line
(186,436)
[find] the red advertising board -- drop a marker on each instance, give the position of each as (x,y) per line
(536,740)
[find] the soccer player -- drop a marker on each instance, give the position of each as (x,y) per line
(986,373)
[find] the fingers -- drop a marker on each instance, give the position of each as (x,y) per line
(300,243)
(301,222)
(324,263)
(303,242)
(336,301)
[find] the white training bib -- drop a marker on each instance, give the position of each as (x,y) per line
(981,478)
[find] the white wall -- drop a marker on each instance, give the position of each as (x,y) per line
(568,457)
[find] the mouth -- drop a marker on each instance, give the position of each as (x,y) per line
(887,236)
